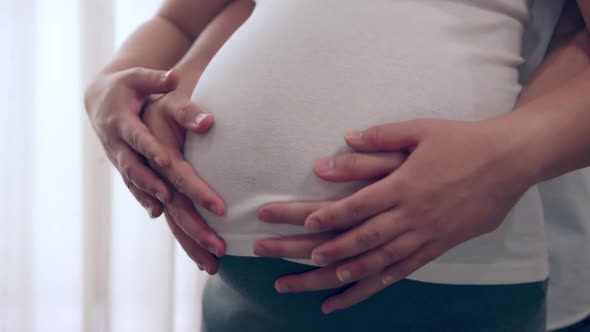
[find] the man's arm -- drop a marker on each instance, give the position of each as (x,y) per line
(555,128)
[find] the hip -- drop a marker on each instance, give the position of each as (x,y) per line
(243,296)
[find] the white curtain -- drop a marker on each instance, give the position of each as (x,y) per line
(77,252)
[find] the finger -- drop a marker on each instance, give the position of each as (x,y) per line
(204,260)
(295,247)
(152,205)
(389,137)
(183,178)
(369,235)
(140,138)
(150,81)
(354,209)
(318,279)
(360,292)
(404,268)
(358,166)
(134,170)
(376,260)
(183,213)
(293,213)
(190,116)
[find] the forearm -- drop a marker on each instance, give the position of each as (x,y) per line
(551,125)
(157,44)
(192,65)
(163,40)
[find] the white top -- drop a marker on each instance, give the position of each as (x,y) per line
(299,74)
(566,201)
(567,211)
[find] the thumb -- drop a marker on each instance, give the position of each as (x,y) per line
(150,81)
(391,137)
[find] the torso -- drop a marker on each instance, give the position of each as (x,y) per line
(300,73)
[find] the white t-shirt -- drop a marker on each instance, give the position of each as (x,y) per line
(566,201)
(299,74)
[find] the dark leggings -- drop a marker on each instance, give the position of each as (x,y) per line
(583,326)
(242,298)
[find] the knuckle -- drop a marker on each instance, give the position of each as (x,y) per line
(179,181)
(389,254)
(359,269)
(108,122)
(134,73)
(374,136)
(350,161)
(134,139)
(355,209)
(366,238)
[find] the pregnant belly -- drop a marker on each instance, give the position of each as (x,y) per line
(283,98)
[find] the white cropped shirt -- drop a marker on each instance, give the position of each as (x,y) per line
(299,74)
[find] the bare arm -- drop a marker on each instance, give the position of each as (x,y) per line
(556,126)
(163,40)
(192,65)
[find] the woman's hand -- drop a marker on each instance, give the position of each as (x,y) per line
(113,103)
(460,181)
(168,117)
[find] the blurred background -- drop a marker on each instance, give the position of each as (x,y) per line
(77,252)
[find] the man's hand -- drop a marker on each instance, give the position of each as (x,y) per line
(458,182)
(168,117)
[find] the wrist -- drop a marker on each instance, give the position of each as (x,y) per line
(516,152)
(536,148)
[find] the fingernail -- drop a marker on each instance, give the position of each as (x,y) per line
(355,137)
(213,250)
(327,309)
(166,75)
(159,162)
(160,197)
(216,209)
(324,165)
(319,259)
(150,211)
(200,267)
(282,288)
(264,215)
(387,280)
(312,225)
(199,118)
(260,250)
(344,275)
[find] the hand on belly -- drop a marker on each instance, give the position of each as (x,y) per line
(405,220)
